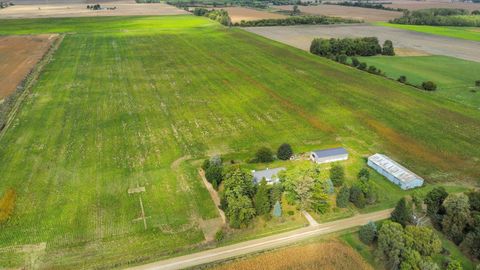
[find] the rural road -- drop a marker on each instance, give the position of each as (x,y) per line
(302,36)
(261,244)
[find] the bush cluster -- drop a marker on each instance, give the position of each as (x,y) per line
(219,15)
(365,46)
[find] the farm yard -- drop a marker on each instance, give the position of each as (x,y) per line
(302,36)
(358,13)
(455,78)
(52,9)
(132,104)
(237,14)
(15,66)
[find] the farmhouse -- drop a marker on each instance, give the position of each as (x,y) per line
(270,175)
(394,172)
(329,155)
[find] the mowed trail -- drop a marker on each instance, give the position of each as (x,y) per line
(302,36)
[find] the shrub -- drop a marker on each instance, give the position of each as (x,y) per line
(357,197)
(337,175)
(343,197)
(477,83)
(388,48)
(402,79)
(285,151)
(363,174)
(368,233)
(355,62)
(402,213)
(362,66)
(290,212)
(429,86)
(214,175)
(342,58)
(206,164)
(264,155)
(372,69)
(219,235)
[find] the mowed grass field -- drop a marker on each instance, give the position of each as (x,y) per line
(455,78)
(468,33)
(134,101)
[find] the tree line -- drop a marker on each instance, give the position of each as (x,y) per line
(364,46)
(439,17)
(364,5)
(295,20)
(219,15)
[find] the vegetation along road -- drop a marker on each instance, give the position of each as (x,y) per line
(265,243)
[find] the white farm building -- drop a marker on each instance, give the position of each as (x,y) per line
(270,175)
(394,172)
(329,155)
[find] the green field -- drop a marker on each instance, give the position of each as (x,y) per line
(469,33)
(455,78)
(124,98)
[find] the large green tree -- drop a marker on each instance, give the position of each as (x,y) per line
(391,244)
(342,197)
(237,197)
(285,151)
(422,239)
(262,200)
(434,200)
(337,175)
(368,233)
(299,183)
(264,154)
(402,213)
(457,216)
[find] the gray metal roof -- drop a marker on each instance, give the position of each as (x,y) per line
(330,152)
(393,168)
(268,173)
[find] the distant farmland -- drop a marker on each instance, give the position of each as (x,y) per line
(135,102)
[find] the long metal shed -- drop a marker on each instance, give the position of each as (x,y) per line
(394,172)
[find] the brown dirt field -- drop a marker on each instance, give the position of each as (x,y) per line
(238,14)
(365,14)
(18,55)
(416,5)
(409,52)
(58,10)
(330,255)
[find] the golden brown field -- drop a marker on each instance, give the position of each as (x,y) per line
(329,255)
(237,14)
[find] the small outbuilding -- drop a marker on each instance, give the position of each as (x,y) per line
(329,155)
(270,175)
(394,172)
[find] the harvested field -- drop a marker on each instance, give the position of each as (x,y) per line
(238,14)
(76,9)
(365,14)
(416,5)
(302,36)
(330,255)
(409,52)
(18,55)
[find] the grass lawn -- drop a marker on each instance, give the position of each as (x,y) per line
(469,33)
(455,78)
(130,102)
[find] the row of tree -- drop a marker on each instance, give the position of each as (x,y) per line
(438,17)
(363,4)
(265,154)
(365,46)
(219,15)
(295,20)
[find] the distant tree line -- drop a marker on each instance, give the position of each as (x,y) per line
(219,15)
(364,5)
(439,17)
(294,20)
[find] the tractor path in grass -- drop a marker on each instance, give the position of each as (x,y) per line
(263,244)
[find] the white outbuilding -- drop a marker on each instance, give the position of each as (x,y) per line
(329,155)
(394,172)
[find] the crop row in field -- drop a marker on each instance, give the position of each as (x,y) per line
(124,98)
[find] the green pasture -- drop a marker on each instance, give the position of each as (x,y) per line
(469,33)
(135,101)
(455,78)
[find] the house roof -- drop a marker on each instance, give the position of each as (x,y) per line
(330,152)
(268,173)
(393,168)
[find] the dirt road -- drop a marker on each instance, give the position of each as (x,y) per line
(302,35)
(265,243)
